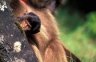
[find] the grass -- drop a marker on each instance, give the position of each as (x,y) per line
(76,34)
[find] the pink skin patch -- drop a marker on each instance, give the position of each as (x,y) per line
(23,0)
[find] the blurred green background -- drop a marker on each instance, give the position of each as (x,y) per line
(78,32)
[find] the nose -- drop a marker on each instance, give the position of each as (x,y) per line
(32,21)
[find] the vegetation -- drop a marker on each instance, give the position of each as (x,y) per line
(78,32)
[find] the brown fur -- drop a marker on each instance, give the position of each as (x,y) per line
(46,43)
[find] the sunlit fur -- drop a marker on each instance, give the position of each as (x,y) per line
(46,43)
